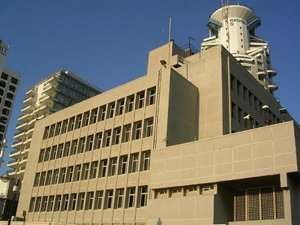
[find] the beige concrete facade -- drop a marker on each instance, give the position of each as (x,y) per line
(188,143)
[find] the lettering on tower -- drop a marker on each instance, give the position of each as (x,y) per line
(237,20)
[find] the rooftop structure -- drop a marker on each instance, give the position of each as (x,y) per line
(56,92)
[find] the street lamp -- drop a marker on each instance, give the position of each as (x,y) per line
(15,190)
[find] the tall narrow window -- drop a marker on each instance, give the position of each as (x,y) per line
(102,112)
(47,154)
(129,103)
(103,168)
(120,106)
(151,96)
(145,160)
(50,203)
(98,140)
(42,155)
(110,110)
(81,145)
(55,176)
(77,172)
(119,199)
(65,202)
(73,199)
(44,204)
(80,203)
(143,195)
(46,132)
(43,178)
(36,179)
(49,177)
(112,166)
(62,175)
(38,204)
(53,152)
(71,123)
(93,118)
(89,143)
(148,130)
(70,171)
(140,100)
(108,198)
(94,169)
(89,200)
(64,126)
(57,128)
(137,130)
(51,131)
(67,149)
(116,135)
(57,203)
(98,200)
(78,121)
(107,138)
(130,197)
(60,150)
(74,146)
(86,117)
(123,164)
(134,162)
(126,133)
(85,171)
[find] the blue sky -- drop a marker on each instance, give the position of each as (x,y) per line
(106,42)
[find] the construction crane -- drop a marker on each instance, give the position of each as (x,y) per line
(225,14)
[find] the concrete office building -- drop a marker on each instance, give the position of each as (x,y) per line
(197,140)
(56,92)
(9,82)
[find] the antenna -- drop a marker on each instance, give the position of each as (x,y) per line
(170,28)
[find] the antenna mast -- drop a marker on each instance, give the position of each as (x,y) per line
(225,12)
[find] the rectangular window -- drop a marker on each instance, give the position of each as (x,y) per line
(60,151)
(49,177)
(67,149)
(145,160)
(55,176)
(143,195)
(89,200)
(74,146)
(77,172)
(134,162)
(130,197)
(80,203)
(81,145)
(123,164)
(65,202)
(98,200)
(38,204)
(62,175)
(78,121)
(86,117)
(120,106)
(140,100)
(58,128)
(42,155)
(89,143)
(112,166)
(108,199)
(98,140)
(129,103)
(44,204)
(57,203)
(47,154)
(110,110)
(93,118)
(102,112)
(43,178)
(94,170)
(126,133)
(64,126)
(151,96)
(71,123)
(51,131)
(50,203)
(116,135)
(137,130)
(107,138)
(36,180)
(70,171)
(119,199)
(148,127)
(46,133)
(73,199)
(103,168)
(53,152)
(85,171)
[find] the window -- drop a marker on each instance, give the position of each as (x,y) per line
(80,202)
(130,197)
(74,146)
(50,203)
(64,126)
(58,128)
(108,199)
(51,131)
(143,195)
(151,96)
(62,175)
(65,202)
(137,130)
(148,127)
(47,154)
(120,106)
(86,117)
(93,118)
(78,121)
(89,143)
(85,171)
(42,155)
(133,162)
(67,149)
(53,152)
(103,168)
(71,123)
(36,179)
(55,176)
(77,172)
(111,110)
(119,199)
(98,200)
(112,166)
(102,111)
(46,133)
(73,199)
(44,204)
(81,145)
(145,160)
(37,204)
(42,178)
(94,170)
(123,164)
(60,151)
(57,203)
(116,135)
(70,171)
(129,103)
(126,133)
(98,140)
(140,100)
(49,177)
(89,200)
(107,137)
(32,205)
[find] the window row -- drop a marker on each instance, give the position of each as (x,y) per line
(99,140)
(115,108)
(259,204)
(124,164)
(109,199)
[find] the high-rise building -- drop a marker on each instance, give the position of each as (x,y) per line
(9,82)
(56,92)
(197,140)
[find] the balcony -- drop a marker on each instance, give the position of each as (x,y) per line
(12,163)
(273,87)
(14,154)
(26,108)
(271,72)
(261,75)
(27,100)
(16,144)
(22,126)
